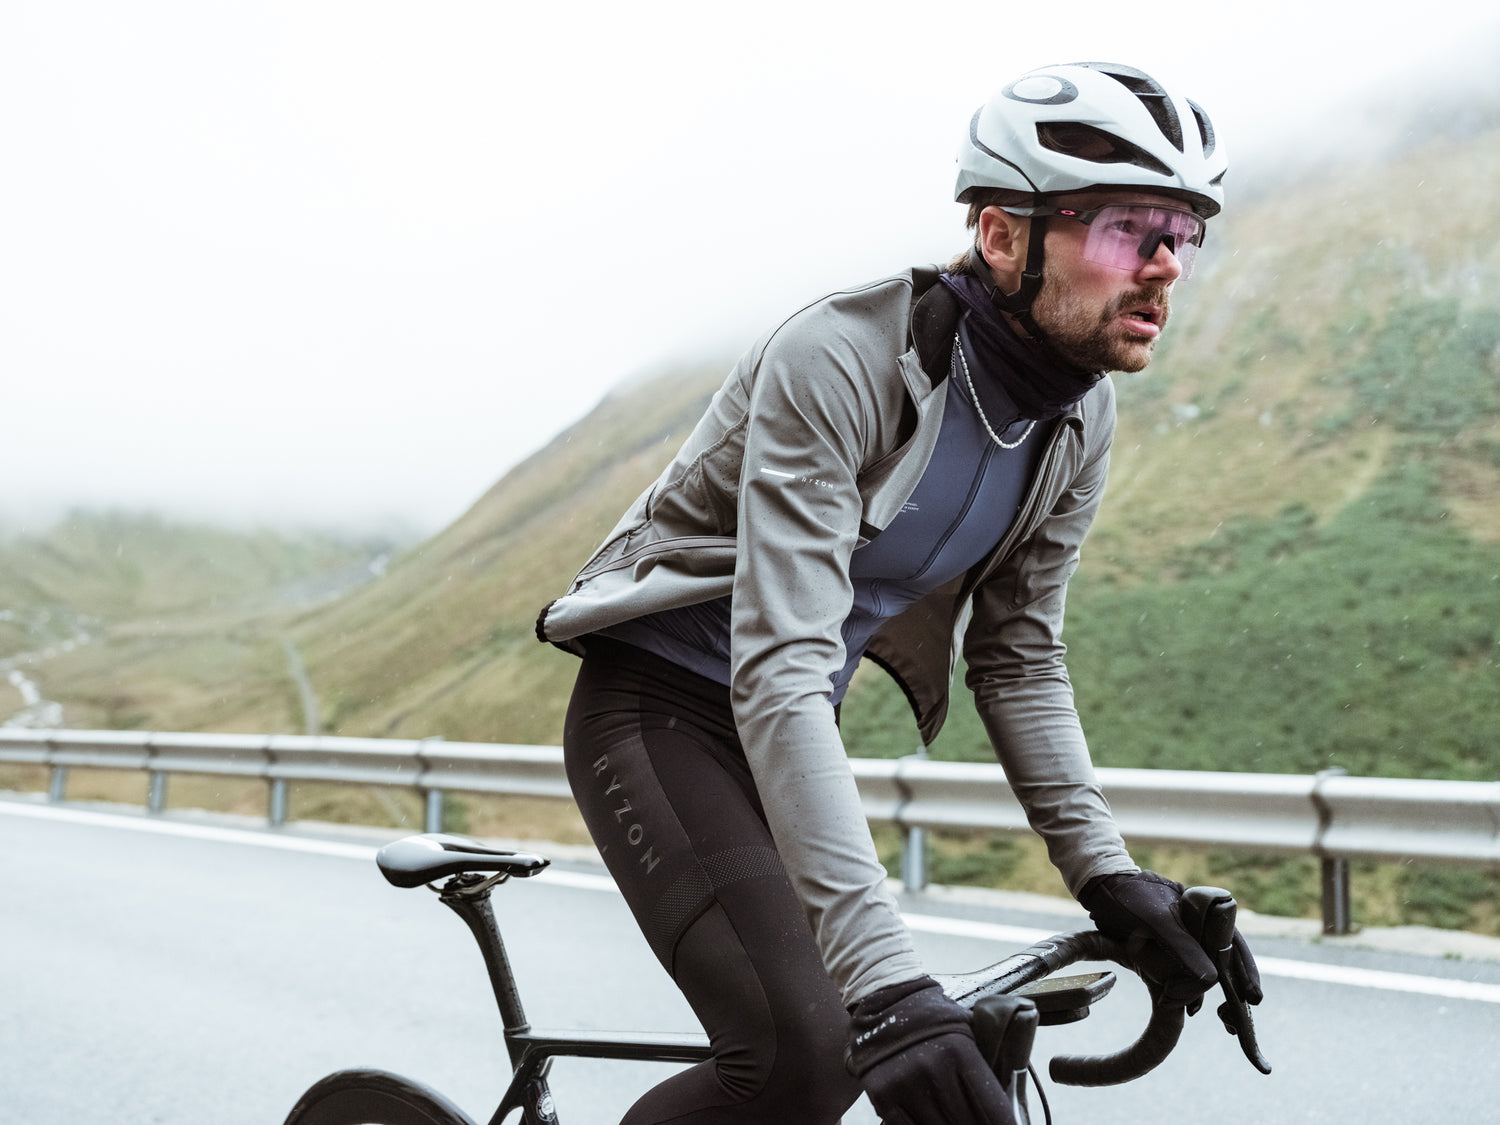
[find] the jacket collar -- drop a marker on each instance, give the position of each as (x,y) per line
(935,313)
(934,320)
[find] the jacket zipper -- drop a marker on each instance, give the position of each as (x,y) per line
(1025,522)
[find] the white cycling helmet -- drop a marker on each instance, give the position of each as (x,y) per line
(1078,126)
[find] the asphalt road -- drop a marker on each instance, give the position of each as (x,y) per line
(162,971)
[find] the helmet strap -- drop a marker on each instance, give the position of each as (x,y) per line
(1017,305)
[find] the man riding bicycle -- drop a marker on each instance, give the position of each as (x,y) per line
(904,470)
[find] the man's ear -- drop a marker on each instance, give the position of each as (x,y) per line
(1002,240)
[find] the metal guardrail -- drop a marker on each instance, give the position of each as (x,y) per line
(1329,815)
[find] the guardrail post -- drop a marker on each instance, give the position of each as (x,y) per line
(1336,912)
(156,791)
(276,812)
(57,784)
(434,818)
(914,838)
(914,859)
(1337,916)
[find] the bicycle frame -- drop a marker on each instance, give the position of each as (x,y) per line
(1009,999)
(532,1049)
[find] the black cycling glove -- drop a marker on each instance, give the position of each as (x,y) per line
(1143,913)
(913,1050)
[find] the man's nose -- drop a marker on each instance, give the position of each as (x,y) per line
(1159,259)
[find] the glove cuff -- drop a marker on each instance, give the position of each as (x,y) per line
(891,1019)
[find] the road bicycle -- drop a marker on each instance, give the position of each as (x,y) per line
(1010,999)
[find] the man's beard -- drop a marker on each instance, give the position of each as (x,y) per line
(1092,338)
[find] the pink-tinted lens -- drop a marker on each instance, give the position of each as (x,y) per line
(1127,236)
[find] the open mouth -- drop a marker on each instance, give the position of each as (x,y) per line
(1146,319)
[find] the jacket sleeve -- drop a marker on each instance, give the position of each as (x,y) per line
(1014,650)
(799,516)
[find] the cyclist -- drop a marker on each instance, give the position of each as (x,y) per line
(899,470)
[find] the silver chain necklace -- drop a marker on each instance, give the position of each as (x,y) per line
(959,347)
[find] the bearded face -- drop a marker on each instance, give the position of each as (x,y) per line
(1101,330)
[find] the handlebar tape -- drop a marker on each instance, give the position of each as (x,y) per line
(1145,1054)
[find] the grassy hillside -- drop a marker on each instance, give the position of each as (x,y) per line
(122,565)
(1297,565)
(132,620)
(1321,428)
(1298,562)
(1313,458)
(445,644)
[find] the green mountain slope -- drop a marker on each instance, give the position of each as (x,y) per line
(132,620)
(445,644)
(1298,562)
(1338,325)
(1299,541)
(1296,565)
(124,566)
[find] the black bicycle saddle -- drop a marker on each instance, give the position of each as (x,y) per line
(414,860)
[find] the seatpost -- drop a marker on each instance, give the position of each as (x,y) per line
(468,896)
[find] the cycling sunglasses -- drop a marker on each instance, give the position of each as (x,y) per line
(1125,236)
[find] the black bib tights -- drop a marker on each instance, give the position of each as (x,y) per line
(658,771)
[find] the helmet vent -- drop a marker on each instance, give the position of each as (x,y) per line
(1085,142)
(1151,95)
(1205,128)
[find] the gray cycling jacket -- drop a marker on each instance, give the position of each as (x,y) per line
(811,446)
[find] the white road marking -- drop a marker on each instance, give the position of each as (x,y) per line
(927,923)
(1376,978)
(194,831)
(1269,966)
(969,928)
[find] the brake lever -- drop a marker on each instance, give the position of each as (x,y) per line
(1209,914)
(1005,1029)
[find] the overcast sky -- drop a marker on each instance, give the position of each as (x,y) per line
(346,261)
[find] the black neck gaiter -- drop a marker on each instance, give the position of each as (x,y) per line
(1042,384)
